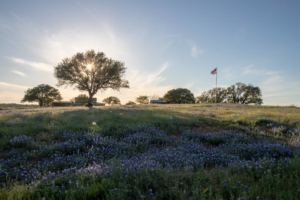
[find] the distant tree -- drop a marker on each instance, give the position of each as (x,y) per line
(82,98)
(130,103)
(244,94)
(251,94)
(180,95)
(205,97)
(43,94)
(210,96)
(112,100)
(73,100)
(91,72)
(142,99)
(48,102)
(235,91)
(154,97)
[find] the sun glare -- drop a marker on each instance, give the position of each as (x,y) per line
(89,67)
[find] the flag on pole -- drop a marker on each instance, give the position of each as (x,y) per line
(214,71)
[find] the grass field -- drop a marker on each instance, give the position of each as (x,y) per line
(16,106)
(194,151)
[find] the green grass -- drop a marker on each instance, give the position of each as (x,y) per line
(251,122)
(16,106)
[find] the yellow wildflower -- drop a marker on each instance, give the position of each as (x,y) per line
(205,191)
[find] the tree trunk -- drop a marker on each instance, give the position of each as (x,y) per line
(90,98)
(41,103)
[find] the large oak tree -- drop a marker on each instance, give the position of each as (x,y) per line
(142,99)
(112,100)
(180,95)
(43,94)
(91,72)
(210,96)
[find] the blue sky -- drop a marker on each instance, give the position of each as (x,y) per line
(164,44)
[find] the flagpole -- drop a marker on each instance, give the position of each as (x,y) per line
(216,85)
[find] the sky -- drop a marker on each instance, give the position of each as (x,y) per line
(165,44)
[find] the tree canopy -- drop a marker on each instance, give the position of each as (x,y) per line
(180,95)
(82,98)
(112,100)
(91,72)
(210,96)
(130,103)
(43,94)
(236,93)
(142,99)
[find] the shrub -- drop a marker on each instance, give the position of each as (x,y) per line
(88,105)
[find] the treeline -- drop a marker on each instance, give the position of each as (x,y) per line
(236,93)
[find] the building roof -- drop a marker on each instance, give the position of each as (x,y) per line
(62,102)
(96,103)
(157,101)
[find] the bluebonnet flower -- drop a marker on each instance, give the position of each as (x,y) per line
(142,197)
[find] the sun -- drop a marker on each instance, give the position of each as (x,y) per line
(89,67)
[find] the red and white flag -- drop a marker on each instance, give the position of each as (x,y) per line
(214,71)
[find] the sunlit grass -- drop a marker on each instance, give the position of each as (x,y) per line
(70,135)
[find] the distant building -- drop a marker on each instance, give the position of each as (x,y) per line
(130,103)
(158,101)
(172,102)
(98,104)
(62,103)
(94,100)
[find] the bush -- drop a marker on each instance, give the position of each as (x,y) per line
(88,105)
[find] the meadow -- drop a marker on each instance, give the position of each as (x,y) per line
(4,106)
(188,151)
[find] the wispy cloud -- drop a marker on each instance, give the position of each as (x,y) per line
(4,86)
(274,84)
(167,40)
(189,85)
(18,72)
(195,51)
(11,93)
(142,83)
(35,65)
(251,70)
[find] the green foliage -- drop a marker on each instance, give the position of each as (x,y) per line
(210,96)
(103,74)
(89,105)
(202,183)
(112,100)
(6,106)
(43,94)
(179,95)
(130,103)
(82,98)
(142,99)
(238,93)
